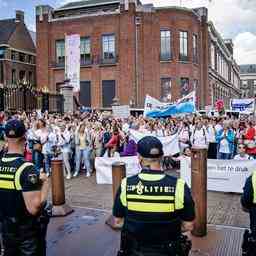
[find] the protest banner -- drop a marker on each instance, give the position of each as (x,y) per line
(170,143)
(121,111)
(154,108)
(151,104)
(72,67)
(103,167)
(243,105)
(222,175)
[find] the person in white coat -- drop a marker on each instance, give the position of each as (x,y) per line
(64,140)
(198,136)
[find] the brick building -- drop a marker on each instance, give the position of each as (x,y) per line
(248,80)
(17,53)
(128,50)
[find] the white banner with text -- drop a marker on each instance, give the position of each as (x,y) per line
(222,175)
(103,167)
(170,143)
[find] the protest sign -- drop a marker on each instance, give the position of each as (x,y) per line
(243,105)
(170,143)
(103,167)
(222,175)
(121,111)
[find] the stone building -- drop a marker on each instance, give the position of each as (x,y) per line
(248,80)
(128,50)
(224,75)
(17,53)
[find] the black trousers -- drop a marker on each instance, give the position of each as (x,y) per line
(252,213)
(22,239)
(212,151)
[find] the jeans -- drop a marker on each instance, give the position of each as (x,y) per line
(224,156)
(37,158)
(85,155)
(47,162)
(66,163)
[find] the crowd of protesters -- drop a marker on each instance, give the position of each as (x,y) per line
(79,138)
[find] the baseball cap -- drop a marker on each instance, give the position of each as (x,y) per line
(150,147)
(15,129)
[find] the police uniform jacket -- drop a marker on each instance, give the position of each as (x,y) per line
(153,206)
(16,176)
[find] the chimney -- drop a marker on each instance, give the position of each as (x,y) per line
(19,16)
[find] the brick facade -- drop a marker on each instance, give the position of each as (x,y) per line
(138,70)
(17,41)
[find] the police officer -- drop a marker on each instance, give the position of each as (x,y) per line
(156,208)
(248,201)
(22,194)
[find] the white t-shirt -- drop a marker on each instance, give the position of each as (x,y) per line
(211,134)
(184,135)
(245,157)
(199,138)
(218,127)
(41,135)
(224,146)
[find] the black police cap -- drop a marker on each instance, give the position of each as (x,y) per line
(150,147)
(15,129)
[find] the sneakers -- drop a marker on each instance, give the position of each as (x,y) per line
(68,177)
(88,174)
(75,174)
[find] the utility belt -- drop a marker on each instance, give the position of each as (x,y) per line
(179,247)
(29,225)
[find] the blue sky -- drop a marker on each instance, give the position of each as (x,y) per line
(234,19)
(8,7)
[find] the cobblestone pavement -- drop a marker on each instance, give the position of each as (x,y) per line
(223,208)
(85,233)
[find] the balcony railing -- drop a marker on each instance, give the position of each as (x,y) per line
(86,62)
(183,58)
(109,61)
(165,57)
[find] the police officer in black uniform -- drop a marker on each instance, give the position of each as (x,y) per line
(248,201)
(22,195)
(156,208)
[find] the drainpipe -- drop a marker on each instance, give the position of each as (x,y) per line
(136,91)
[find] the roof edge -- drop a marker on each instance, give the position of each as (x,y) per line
(82,6)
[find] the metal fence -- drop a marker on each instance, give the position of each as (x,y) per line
(26,99)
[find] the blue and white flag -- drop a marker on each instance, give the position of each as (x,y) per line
(154,108)
(243,105)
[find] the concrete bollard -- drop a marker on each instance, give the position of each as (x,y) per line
(199,189)
(118,173)
(60,208)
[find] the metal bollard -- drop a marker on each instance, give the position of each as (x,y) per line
(199,190)
(118,173)
(60,208)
